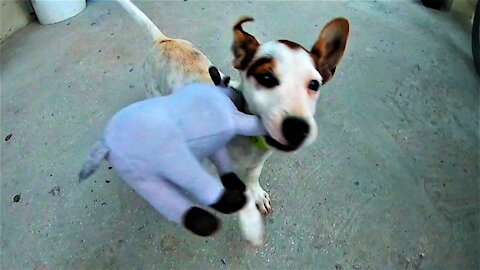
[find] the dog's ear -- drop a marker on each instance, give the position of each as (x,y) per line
(329,47)
(244,45)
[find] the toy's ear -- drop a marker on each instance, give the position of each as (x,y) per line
(215,75)
(329,47)
(244,45)
(226,81)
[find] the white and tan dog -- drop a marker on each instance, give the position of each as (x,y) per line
(280,81)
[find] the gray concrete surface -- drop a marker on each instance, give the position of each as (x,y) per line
(391,183)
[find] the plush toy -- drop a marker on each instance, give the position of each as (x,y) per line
(158,146)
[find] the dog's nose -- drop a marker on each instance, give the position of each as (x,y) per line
(295,130)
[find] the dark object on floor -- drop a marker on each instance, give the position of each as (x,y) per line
(9,136)
(55,191)
(16,198)
(437,4)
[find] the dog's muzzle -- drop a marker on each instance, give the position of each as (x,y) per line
(295,130)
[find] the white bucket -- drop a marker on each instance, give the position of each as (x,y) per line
(53,11)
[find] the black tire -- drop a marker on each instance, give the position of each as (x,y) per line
(476,38)
(434,4)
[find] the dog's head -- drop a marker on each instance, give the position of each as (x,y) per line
(281,80)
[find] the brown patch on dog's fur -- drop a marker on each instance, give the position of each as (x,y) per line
(292,45)
(329,47)
(184,55)
(244,45)
(261,66)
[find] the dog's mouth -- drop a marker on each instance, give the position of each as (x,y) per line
(282,147)
(242,106)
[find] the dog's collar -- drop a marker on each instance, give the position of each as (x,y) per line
(259,142)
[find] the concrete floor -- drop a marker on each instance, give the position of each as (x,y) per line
(391,183)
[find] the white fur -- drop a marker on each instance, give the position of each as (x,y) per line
(295,69)
(142,19)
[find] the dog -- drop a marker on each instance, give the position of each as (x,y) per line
(280,81)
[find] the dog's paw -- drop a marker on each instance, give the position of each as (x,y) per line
(251,222)
(262,199)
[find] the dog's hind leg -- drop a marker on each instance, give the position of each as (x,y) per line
(168,201)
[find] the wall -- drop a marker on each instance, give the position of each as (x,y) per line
(14,15)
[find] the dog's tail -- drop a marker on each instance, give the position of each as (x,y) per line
(143,20)
(97,154)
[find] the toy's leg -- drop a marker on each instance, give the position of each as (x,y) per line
(184,170)
(221,160)
(164,197)
(249,125)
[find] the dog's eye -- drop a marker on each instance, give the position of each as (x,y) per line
(314,85)
(266,79)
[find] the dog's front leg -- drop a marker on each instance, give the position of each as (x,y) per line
(252,181)
(251,222)
(248,160)
(258,201)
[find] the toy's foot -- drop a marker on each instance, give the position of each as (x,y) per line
(200,222)
(232,182)
(262,199)
(231,201)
